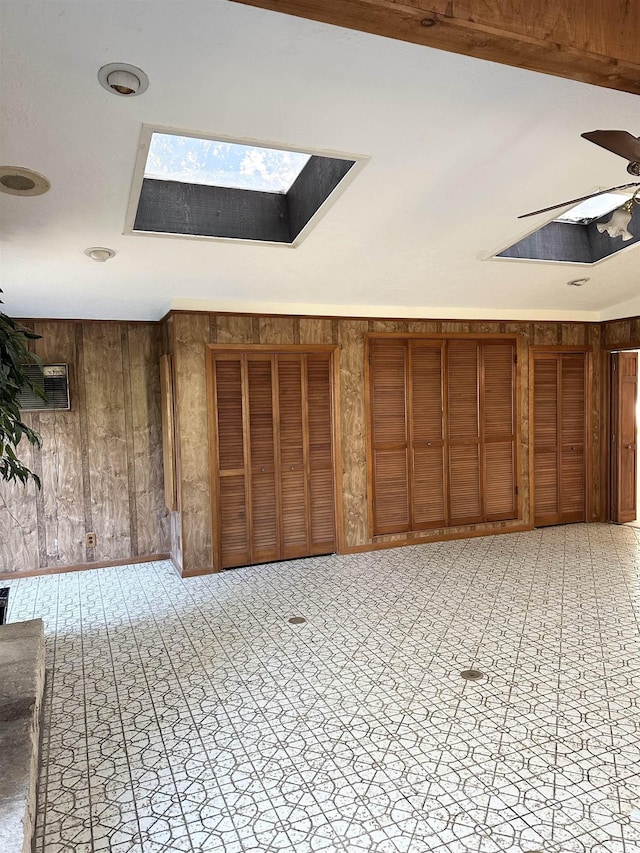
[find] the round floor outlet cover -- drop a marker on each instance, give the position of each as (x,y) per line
(472,674)
(297,620)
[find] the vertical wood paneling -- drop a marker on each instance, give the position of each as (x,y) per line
(107,445)
(548,334)
(232,328)
(18,521)
(353,429)
(144,369)
(279,330)
(62,491)
(424,327)
(573,334)
(318,331)
(191,335)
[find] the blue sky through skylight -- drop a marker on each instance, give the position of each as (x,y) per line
(223,164)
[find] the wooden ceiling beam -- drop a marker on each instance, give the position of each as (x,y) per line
(594,42)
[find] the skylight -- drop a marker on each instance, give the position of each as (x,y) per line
(592,209)
(210,162)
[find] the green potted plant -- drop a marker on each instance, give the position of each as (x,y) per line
(14,355)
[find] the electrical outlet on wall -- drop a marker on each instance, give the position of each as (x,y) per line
(91,540)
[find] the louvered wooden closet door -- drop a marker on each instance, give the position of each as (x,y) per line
(559,435)
(234,540)
(264,495)
(428,481)
(321,478)
(389,435)
(499,428)
(274,456)
(465,498)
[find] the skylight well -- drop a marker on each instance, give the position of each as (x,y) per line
(200,187)
(574,237)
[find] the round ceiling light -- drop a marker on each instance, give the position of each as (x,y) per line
(99,253)
(122,79)
(15,180)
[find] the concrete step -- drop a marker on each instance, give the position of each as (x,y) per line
(21,690)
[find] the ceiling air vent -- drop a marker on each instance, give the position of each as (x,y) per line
(54,381)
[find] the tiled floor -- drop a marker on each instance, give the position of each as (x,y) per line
(191,716)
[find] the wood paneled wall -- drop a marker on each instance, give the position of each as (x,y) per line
(621,333)
(101,462)
(188,334)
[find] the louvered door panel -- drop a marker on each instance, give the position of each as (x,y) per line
(233,534)
(572,435)
(389,428)
(498,415)
(234,538)
(229,411)
(322,497)
(264,501)
(388,392)
(546,454)
(560,437)
(545,474)
(391,509)
(465,489)
(572,484)
(499,481)
(462,373)
(292,462)
(429,506)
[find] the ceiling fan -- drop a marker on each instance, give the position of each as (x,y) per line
(625,145)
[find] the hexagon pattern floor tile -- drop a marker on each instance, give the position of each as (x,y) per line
(191,715)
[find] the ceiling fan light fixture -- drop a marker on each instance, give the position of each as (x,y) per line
(617,226)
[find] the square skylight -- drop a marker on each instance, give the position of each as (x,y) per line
(574,237)
(192,160)
(192,186)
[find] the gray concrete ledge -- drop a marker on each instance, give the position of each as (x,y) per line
(21,690)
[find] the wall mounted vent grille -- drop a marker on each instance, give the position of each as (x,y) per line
(54,380)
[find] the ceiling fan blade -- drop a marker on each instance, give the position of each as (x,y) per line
(577,200)
(618,141)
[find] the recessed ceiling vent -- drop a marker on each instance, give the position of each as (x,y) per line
(53,380)
(197,187)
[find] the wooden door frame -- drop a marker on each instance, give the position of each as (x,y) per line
(606,426)
(589,497)
(333,351)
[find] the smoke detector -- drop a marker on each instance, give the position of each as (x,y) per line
(122,79)
(15,180)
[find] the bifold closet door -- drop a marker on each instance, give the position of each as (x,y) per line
(274,456)
(560,437)
(463,386)
(443,432)
(426,426)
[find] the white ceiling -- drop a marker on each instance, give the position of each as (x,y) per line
(458,148)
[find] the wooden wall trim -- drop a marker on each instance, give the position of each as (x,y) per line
(590,42)
(381,543)
(83,567)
